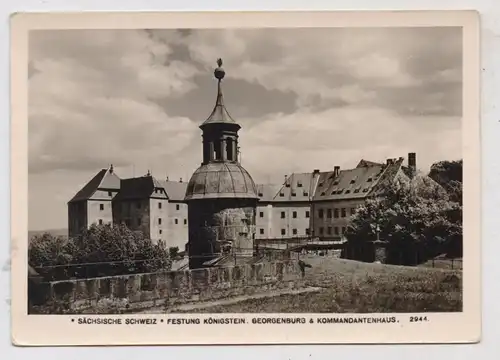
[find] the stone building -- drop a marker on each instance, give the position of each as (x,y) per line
(340,192)
(221,195)
(153,206)
(93,203)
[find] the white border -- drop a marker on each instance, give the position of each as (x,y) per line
(58,330)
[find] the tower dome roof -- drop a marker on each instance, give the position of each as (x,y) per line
(221,180)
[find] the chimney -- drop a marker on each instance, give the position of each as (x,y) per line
(111,169)
(316,171)
(412,162)
(389,161)
(167,178)
(180,180)
(336,170)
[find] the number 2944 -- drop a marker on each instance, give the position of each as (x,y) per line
(418,318)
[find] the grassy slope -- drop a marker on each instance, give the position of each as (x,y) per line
(354,287)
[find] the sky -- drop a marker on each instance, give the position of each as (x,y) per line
(305,98)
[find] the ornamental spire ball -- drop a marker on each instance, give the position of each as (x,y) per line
(219,72)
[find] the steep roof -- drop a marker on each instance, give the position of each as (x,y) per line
(388,176)
(175,190)
(105,179)
(266,192)
(139,188)
(348,184)
(297,187)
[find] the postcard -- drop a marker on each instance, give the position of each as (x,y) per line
(245,178)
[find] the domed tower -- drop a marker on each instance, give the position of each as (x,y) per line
(221,194)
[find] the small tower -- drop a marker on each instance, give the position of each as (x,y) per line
(221,194)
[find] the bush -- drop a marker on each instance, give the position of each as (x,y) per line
(101,250)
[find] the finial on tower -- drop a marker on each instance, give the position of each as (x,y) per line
(111,169)
(149,173)
(219,73)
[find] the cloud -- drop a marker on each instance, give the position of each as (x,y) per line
(91,99)
(306,98)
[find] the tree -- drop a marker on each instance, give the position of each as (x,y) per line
(101,250)
(417,218)
(173,252)
(449,175)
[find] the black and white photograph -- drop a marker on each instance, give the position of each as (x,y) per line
(265,170)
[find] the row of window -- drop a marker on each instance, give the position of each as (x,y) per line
(283,214)
(177,207)
(336,231)
(127,222)
(335,213)
(283,231)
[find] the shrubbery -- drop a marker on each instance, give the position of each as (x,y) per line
(419,220)
(101,250)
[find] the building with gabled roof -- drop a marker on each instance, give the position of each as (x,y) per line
(92,204)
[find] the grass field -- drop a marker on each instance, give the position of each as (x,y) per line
(355,287)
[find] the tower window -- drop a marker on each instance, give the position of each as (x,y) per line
(159,221)
(229,149)
(159,205)
(176,221)
(185,221)
(261,231)
(160,231)
(100,221)
(307,214)
(282,214)
(177,207)
(261,214)
(294,214)
(101,207)
(110,193)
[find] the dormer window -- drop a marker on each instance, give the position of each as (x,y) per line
(347,191)
(323,193)
(294,193)
(370,179)
(281,194)
(287,184)
(365,190)
(260,194)
(353,181)
(299,184)
(306,193)
(320,184)
(336,182)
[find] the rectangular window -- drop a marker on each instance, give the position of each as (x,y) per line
(307,213)
(307,231)
(261,231)
(321,231)
(177,207)
(110,193)
(294,214)
(185,221)
(343,212)
(329,230)
(282,214)
(159,205)
(336,229)
(329,213)
(335,213)
(100,221)
(176,221)
(294,231)
(101,207)
(283,232)
(261,214)
(320,213)
(159,221)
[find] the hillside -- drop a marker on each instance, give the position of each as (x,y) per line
(356,287)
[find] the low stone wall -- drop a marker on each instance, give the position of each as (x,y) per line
(142,291)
